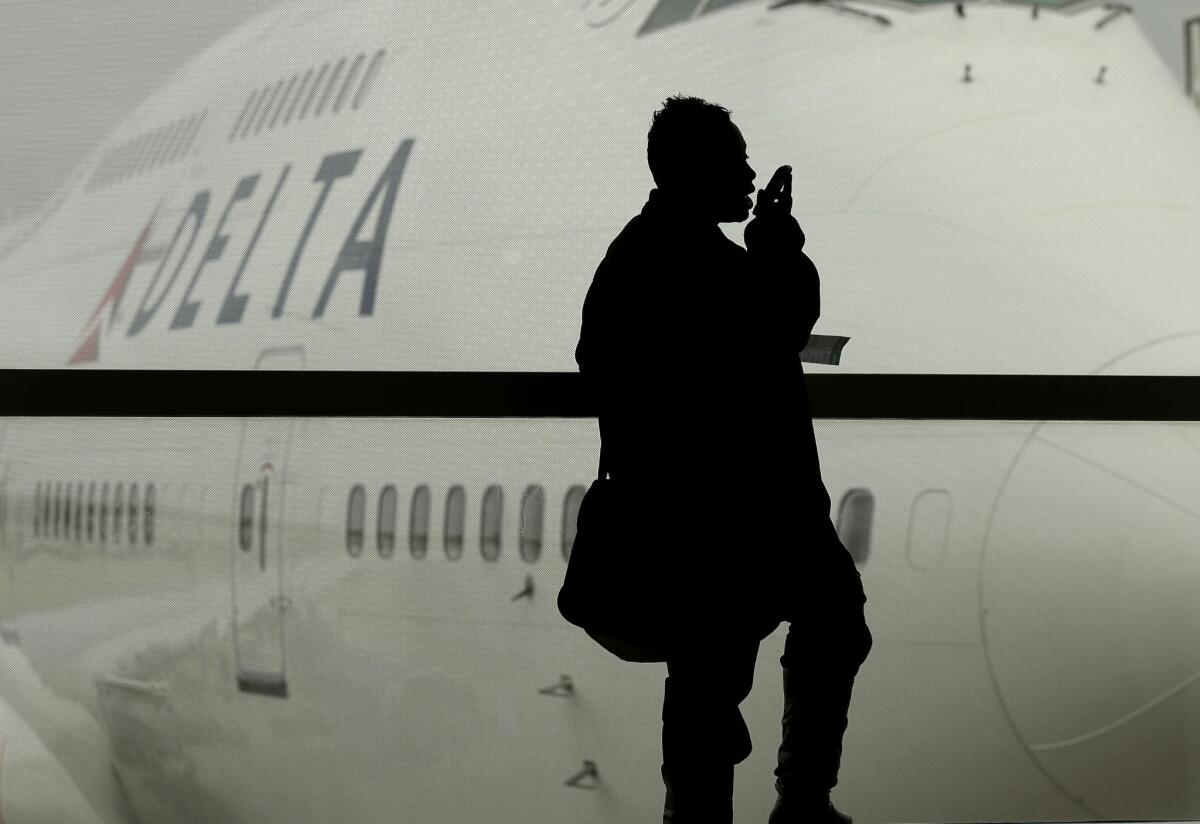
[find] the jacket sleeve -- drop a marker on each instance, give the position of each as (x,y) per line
(787,286)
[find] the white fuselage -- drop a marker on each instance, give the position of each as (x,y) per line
(1031,586)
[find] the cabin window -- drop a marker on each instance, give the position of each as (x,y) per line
(121,162)
(133,514)
(143,155)
(192,131)
(68,509)
(489,522)
(79,511)
(418,522)
(259,98)
(118,509)
(132,158)
(368,79)
(312,92)
(138,162)
(148,153)
(166,135)
(37,509)
(287,118)
(91,513)
(66,513)
(195,131)
(47,502)
(266,108)
(242,117)
(351,76)
(533,505)
(177,135)
(333,80)
(161,138)
(385,526)
(181,127)
(356,507)
(570,520)
(57,519)
(45,517)
(104,512)
(283,99)
(854,523)
(246,518)
(164,144)
(452,533)
(148,515)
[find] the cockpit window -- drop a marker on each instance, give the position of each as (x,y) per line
(1051,4)
(672,12)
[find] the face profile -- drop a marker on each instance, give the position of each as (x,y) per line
(722,183)
(699,161)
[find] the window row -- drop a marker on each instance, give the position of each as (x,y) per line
(62,511)
(316,87)
(147,152)
(855,513)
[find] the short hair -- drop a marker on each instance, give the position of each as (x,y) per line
(676,136)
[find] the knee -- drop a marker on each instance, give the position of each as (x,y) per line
(862,646)
(845,649)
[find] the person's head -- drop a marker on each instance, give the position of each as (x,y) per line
(698,157)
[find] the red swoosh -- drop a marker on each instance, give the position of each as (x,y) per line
(89,350)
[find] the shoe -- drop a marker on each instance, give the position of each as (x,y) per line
(710,797)
(786,811)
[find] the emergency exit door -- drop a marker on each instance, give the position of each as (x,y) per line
(258,548)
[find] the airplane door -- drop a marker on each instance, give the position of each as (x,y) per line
(258,551)
(1191,53)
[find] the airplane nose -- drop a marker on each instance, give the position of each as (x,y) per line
(1088,586)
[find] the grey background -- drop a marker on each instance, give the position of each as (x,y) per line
(71,70)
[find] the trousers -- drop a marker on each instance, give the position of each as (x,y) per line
(704,733)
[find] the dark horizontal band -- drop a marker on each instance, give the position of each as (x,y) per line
(249,393)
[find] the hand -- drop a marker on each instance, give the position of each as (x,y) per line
(773,225)
(777,197)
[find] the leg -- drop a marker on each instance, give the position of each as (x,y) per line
(827,642)
(704,734)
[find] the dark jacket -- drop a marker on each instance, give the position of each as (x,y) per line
(689,349)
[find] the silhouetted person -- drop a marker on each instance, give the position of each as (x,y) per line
(690,346)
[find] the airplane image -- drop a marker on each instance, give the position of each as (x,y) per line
(353,619)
